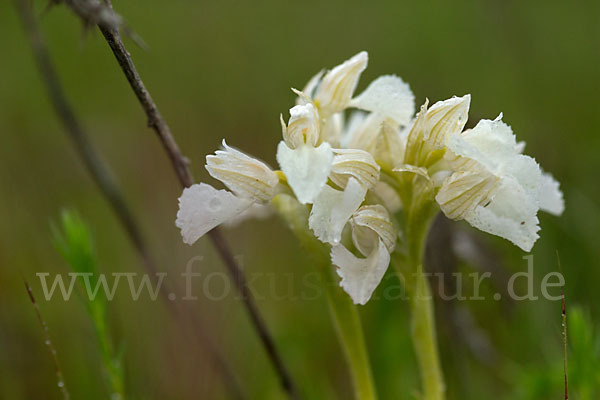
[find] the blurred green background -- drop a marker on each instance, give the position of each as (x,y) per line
(223,70)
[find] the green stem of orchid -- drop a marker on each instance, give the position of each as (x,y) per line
(423,330)
(350,334)
(424,338)
(343,311)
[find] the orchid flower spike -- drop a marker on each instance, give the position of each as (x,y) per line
(351,174)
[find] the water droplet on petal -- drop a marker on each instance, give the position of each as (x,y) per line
(214,204)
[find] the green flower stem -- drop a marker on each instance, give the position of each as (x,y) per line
(424,338)
(349,331)
(418,220)
(344,312)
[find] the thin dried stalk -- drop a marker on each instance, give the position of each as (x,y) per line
(110,190)
(60,380)
(180,164)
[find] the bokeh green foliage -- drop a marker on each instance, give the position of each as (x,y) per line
(73,240)
(223,70)
(584,345)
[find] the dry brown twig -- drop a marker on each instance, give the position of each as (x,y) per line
(100,13)
(109,26)
(106,183)
(180,164)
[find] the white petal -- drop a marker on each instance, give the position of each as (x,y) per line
(511,214)
(332,128)
(338,84)
(365,132)
(303,126)
(202,207)
(492,143)
(333,208)
(422,172)
(390,96)
(352,126)
(463,191)
(551,198)
(388,196)
(306,168)
(360,276)
(354,163)
(389,147)
(510,211)
(445,118)
(311,85)
(439,177)
(245,176)
(255,211)
(369,224)
(523,235)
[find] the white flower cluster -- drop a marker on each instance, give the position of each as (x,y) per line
(336,167)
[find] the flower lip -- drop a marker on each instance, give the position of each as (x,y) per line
(202,208)
(333,208)
(360,276)
(306,168)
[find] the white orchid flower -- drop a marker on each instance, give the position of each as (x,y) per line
(374,235)
(333,208)
(306,153)
(494,187)
(305,165)
(353,176)
(333,92)
(202,207)
(427,138)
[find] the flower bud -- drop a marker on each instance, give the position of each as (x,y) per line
(369,224)
(355,163)
(303,126)
(338,85)
(245,176)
